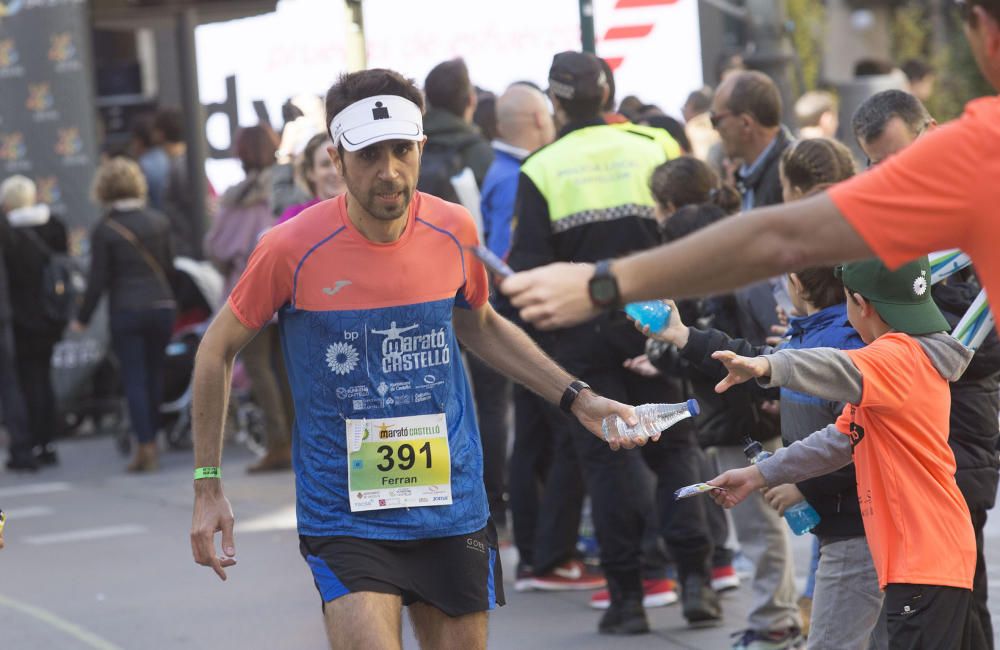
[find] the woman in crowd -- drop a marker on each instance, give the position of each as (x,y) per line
(31,235)
(314,169)
(132,260)
(244,215)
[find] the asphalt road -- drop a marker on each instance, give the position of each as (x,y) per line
(97,559)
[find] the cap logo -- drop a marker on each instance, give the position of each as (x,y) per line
(920,284)
(380,112)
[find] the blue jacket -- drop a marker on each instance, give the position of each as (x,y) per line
(497,199)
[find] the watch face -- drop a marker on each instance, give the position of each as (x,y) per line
(603,290)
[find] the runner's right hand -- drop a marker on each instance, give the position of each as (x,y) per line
(212,514)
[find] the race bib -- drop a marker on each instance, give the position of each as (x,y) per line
(400,462)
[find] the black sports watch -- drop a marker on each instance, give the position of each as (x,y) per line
(570,394)
(603,287)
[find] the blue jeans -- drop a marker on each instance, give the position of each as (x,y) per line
(139,339)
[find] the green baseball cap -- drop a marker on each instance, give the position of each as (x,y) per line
(901,297)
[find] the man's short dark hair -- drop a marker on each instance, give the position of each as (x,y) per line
(916,69)
(354,86)
(872,68)
(448,87)
(754,93)
(169,123)
(874,114)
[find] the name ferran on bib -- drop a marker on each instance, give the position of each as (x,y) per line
(400,462)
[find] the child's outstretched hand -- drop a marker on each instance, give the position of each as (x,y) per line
(737,485)
(741,369)
(675,333)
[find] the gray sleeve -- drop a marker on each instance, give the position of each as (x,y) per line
(827,373)
(822,452)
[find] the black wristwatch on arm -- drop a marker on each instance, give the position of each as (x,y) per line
(603,287)
(571,393)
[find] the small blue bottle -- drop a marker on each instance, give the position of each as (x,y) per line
(654,313)
(801,517)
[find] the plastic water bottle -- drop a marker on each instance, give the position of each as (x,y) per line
(654,313)
(653,418)
(801,517)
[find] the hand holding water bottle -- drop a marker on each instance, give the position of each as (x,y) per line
(652,420)
(673,331)
(783,497)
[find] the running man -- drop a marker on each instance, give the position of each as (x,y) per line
(390,499)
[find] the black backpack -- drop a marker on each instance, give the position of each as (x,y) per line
(62,282)
(437,165)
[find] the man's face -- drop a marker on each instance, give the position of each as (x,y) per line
(984,41)
(896,137)
(729,125)
(381,177)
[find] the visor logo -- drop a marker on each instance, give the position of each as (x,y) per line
(380,112)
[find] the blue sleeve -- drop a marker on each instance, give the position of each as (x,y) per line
(497,206)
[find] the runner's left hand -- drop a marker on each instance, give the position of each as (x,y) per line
(591,409)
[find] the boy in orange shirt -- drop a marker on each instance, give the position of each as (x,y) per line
(895,425)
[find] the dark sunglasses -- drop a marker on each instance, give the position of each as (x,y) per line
(716,118)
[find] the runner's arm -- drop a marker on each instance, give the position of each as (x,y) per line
(213,371)
(729,254)
(510,351)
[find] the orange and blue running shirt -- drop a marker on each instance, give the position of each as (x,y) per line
(916,520)
(339,299)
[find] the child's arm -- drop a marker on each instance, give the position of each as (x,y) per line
(697,345)
(827,373)
(820,453)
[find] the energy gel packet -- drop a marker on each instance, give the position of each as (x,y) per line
(694,490)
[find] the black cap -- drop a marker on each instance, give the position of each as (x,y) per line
(576,75)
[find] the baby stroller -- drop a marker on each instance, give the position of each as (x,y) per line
(199,295)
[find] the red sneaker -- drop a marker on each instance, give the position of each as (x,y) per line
(569,576)
(655,593)
(724,578)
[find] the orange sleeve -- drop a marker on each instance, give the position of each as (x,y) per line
(883,365)
(926,198)
(266,283)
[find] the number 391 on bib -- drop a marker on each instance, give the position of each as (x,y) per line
(400,462)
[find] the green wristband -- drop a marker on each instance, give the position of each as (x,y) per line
(207,472)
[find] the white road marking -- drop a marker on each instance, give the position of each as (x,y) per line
(33,489)
(30,512)
(86,534)
(82,635)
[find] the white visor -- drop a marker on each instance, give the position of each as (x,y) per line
(376,119)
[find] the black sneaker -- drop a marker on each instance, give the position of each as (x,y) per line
(22,464)
(624,617)
(699,602)
(47,456)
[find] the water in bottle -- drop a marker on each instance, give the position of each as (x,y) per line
(653,418)
(654,313)
(801,517)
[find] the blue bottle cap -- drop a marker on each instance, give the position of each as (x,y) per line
(693,407)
